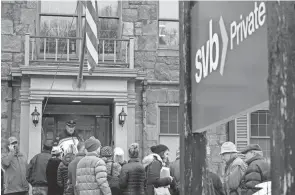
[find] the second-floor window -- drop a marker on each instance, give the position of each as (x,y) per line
(168,24)
(59,19)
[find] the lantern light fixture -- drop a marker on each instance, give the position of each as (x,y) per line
(122,117)
(35,117)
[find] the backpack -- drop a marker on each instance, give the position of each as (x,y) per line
(113,180)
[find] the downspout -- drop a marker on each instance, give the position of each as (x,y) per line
(9,99)
(144,108)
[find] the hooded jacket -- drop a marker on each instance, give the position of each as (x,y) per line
(258,171)
(153,165)
(62,173)
(51,175)
(234,172)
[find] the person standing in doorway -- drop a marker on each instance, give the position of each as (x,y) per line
(36,173)
(73,167)
(234,169)
(68,137)
(15,166)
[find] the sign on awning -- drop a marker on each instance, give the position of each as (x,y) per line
(229,61)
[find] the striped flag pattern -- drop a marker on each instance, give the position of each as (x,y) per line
(91,34)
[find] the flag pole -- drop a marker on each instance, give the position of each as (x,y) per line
(82,54)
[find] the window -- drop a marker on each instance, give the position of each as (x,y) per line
(169,120)
(168,24)
(67,19)
(260,131)
(58,19)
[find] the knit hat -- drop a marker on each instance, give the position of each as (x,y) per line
(251,147)
(47,145)
(92,144)
(106,151)
(159,148)
(133,150)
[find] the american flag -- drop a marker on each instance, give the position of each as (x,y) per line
(91,27)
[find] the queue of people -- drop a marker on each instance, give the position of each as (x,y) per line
(70,166)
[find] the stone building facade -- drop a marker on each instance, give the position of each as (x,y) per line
(156,87)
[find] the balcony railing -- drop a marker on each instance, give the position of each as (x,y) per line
(67,51)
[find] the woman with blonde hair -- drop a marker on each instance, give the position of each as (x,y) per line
(119,156)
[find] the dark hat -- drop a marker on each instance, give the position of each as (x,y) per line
(106,151)
(92,145)
(251,147)
(159,148)
(71,123)
(48,145)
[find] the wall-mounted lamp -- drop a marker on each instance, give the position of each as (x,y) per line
(35,117)
(122,117)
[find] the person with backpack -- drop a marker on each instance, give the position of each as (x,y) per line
(113,169)
(153,164)
(132,176)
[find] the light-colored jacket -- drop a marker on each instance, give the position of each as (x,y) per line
(92,176)
(233,175)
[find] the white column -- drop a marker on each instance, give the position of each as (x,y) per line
(24,122)
(131,113)
(120,133)
(35,134)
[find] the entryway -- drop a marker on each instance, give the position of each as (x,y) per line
(91,120)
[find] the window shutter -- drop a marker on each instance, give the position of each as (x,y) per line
(242,132)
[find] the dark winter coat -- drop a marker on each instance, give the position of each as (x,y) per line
(62,174)
(153,165)
(258,171)
(36,174)
(51,175)
(72,169)
(15,167)
(132,178)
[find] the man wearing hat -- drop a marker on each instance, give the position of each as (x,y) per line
(68,138)
(36,174)
(234,169)
(258,170)
(91,171)
(14,164)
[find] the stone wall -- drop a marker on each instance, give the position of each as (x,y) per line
(17,18)
(215,138)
